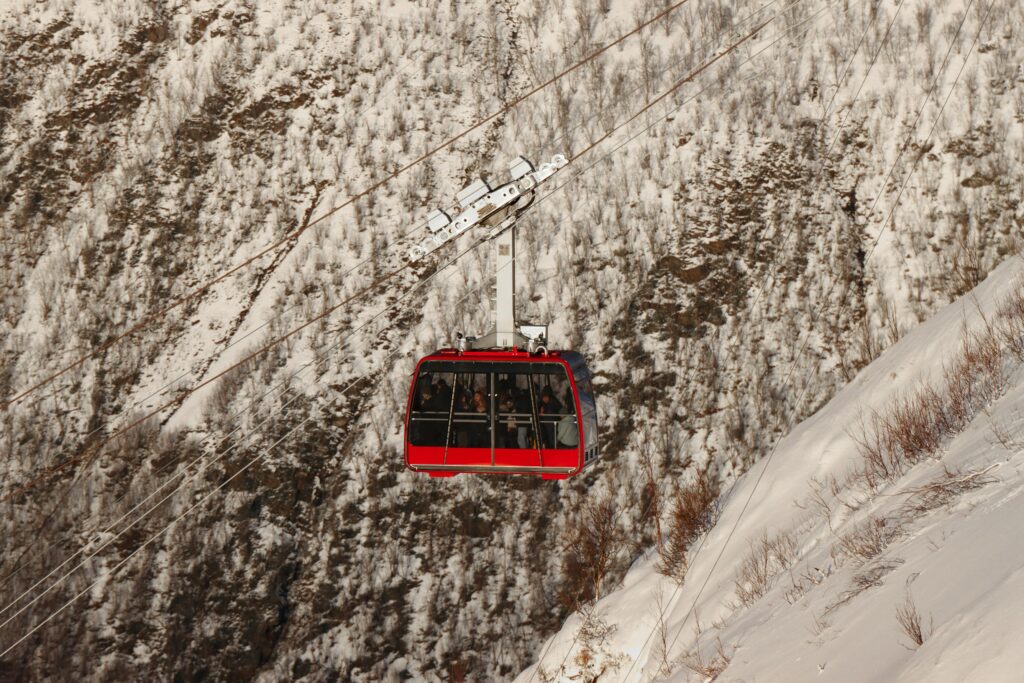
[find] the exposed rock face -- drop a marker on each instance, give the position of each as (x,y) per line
(721,272)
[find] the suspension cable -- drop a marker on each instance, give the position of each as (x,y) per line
(340,345)
(566,136)
(768,459)
(750,58)
(343,342)
(575,158)
(93,452)
(373,187)
(771,270)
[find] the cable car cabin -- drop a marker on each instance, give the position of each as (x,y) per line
(501,412)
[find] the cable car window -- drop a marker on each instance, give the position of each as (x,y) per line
(588,407)
(428,424)
(515,420)
(556,410)
(471,418)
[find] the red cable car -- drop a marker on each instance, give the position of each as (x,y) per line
(501,404)
(501,411)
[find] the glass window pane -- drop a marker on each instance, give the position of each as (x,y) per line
(471,422)
(556,410)
(590,429)
(588,406)
(428,423)
(554,394)
(514,428)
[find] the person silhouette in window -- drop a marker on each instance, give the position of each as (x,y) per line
(461,436)
(548,408)
(525,414)
(431,430)
(443,393)
(549,405)
(508,422)
(481,438)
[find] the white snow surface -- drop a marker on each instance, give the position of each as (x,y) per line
(962,565)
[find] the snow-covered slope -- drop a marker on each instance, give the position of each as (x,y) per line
(941,539)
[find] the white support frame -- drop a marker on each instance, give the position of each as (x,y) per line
(480,206)
(505,277)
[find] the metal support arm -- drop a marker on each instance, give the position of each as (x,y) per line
(497,209)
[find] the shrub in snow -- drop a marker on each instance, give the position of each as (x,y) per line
(768,556)
(692,514)
(909,619)
(914,427)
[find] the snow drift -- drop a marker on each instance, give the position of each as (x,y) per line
(913,577)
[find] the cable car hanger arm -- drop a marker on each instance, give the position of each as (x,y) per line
(480,205)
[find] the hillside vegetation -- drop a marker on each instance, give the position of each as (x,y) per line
(726,261)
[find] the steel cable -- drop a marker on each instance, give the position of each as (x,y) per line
(373,187)
(769,457)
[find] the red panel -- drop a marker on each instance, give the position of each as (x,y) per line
(434,455)
(523,457)
(481,457)
(516,457)
(563,457)
(466,456)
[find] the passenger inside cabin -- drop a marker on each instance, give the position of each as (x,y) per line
(549,405)
(443,393)
(431,431)
(480,436)
(426,394)
(507,435)
(522,407)
(461,399)
(567,433)
(461,436)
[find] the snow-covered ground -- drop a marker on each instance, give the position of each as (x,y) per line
(830,610)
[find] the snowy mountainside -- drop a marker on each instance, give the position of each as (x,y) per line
(840,561)
(146,148)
